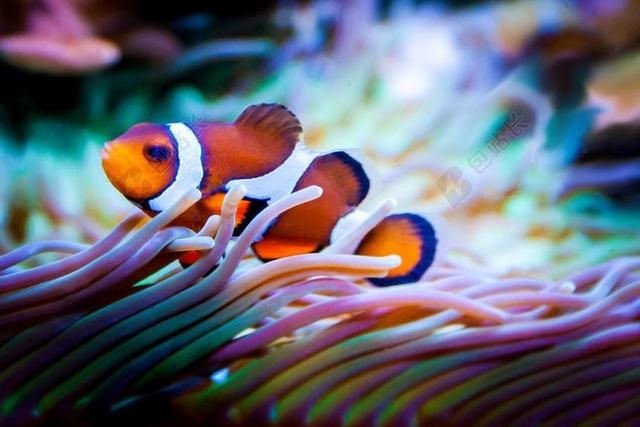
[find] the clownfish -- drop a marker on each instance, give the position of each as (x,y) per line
(153,164)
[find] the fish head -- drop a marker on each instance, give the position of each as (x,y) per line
(142,162)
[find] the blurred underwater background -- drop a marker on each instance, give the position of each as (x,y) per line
(514,126)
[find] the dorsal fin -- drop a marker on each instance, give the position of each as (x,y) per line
(260,140)
(274,120)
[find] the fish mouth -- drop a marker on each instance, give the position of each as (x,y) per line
(105,153)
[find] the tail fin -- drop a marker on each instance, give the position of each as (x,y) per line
(408,235)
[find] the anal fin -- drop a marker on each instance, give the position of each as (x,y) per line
(247,209)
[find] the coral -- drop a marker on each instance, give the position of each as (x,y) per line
(71,37)
(56,39)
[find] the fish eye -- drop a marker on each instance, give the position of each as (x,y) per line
(156,153)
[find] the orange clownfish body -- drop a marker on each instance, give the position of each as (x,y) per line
(153,164)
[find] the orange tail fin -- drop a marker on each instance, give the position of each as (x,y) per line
(408,235)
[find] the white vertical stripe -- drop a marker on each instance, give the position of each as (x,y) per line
(280,181)
(190,170)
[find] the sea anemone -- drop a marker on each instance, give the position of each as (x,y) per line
(305,340)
